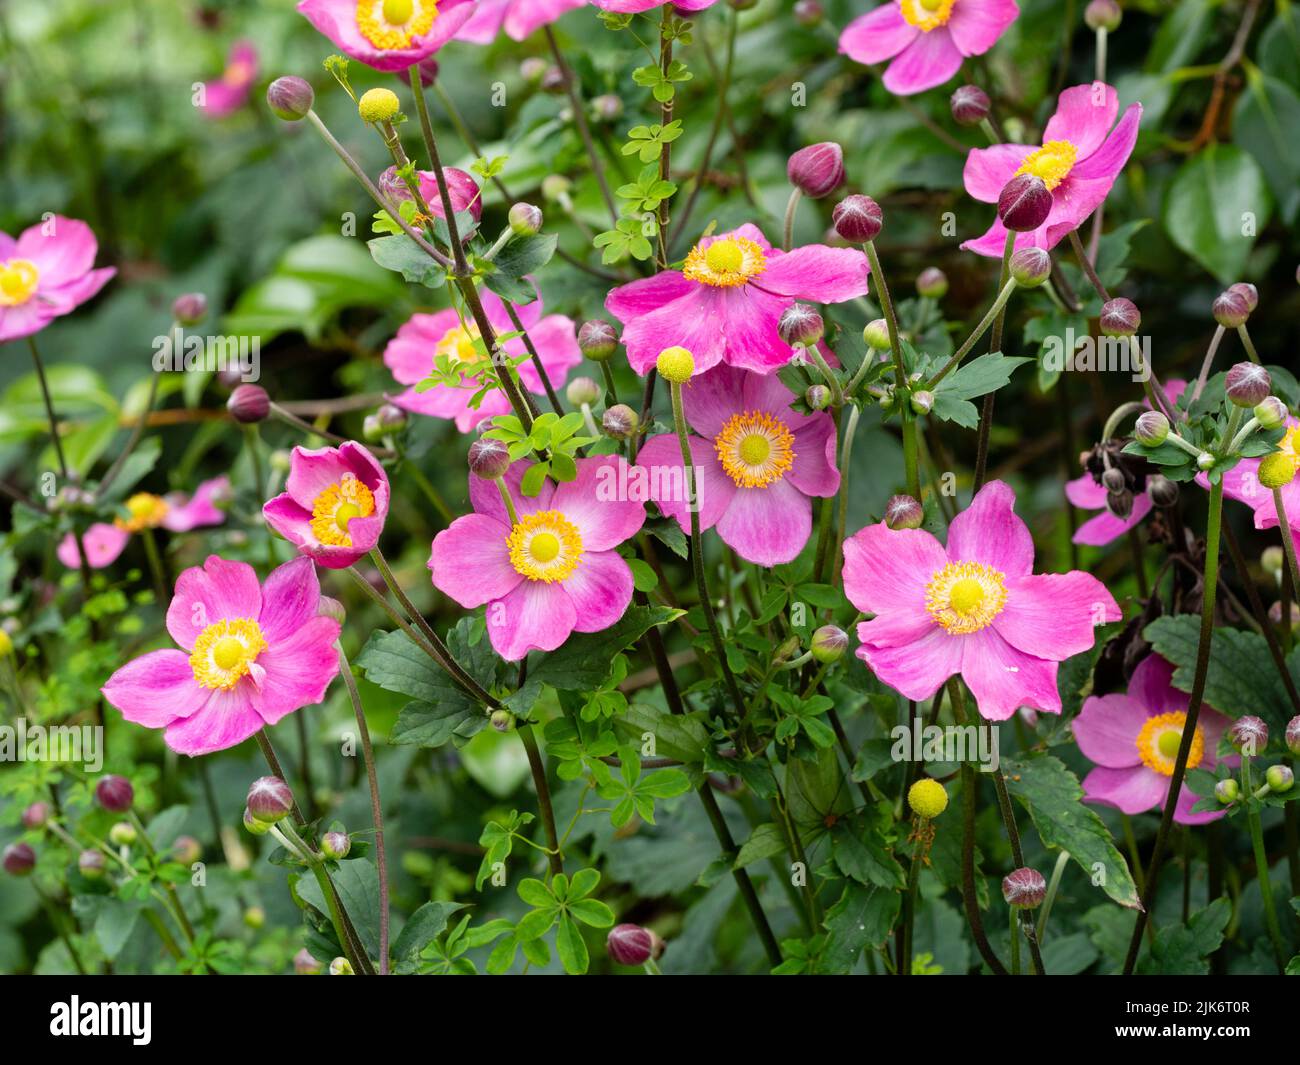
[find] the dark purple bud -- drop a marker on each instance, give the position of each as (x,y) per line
(970,105)
(1248,384)
(858,219)
(19,859)
(800,325)
(1120,318)
(489,458)
(114,794)
(190,308)
(630,944)
(1024,203)
(903,512)
(817,170)
(269,800)
(1120,503)
(1113,480)
(1025,888)
(1163,491)
(249,404)
(597,339)
(290,98)
(1231,309)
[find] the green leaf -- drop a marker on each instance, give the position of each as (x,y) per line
(1216,204)
(423,926)
(1183,950)
(571,947)
(863,856)
(582,663)
(402,255)
(526,255)
(357,883)
(863,917)
(766,841)
(1265,124)
(535,893)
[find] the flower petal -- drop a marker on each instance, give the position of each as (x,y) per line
(1084,115)
(600,588)
(878,35)
(219,591)
(470,561)
(928,61)
(103,543)
(1109,159)
(887,570)
(290,598)
(916,670)
(1107,728)
(1003,679)
(976,25)
(299,668)
(1055,615)
(598,503)
(1131,791)
(535,616)
(629,302)
(987,170)
(767,526)
(664,480)
(990,532)
(156,689)
(818,273)
(225,720)
(695,321)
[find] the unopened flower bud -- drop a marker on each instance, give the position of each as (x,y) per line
(1248,384)
(1247,292)
(270,800)
(1030,267)
(1163,491)
(335,845)
(1248,734)
(1271,413)
(19,859)
(809,13)
(818,397)
(378,105)
(1230,309)
(1120,318)
(876,334)
(1102,15)
(1205,461)
(488,458)
(525,220)
(556,186)
(675,365)
(800,325)
(1113,480)
(249,404)
(190,308)
(922,402)
(341,967)
(122,834)
(927,798)
(817,170)
(502,720)
(553,80)
(532,68)
(306,965)
(829,644)
(1276,470)
(858,219)
(187,850)
(1024,888)
(620,421)
(1152,428)
(1273,558)
(970,105)
(597,340)
(903,512)
(607,107)
(90,863)
(1226,791)
(1293,735)
(254,917)
(582,390)
(290,98)
(630,944)
(1024,203)
(36,815)
(932,283)
(1120,503)
(114,794)
(254,826)
(1279,777)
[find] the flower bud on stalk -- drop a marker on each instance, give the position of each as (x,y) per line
(488,459)
(269,800)
(306,965)
(502,720)
(114,794)
(1152,428)
(90,863)
(190,308)
(37,815)
(1120,318)
(1120,503)
(187,850)
(255,917)
(801,326)
(922,402)
(1249,735)
(818,397)
(675,365)
(525,220)
(903,512)
(19,859)
(829,644)
(1231,309)
(1024,888)
(122,834)
(582,392)
(630,944)
(607,107)
(1113,480)
(1102,15)
(1271,413)
(620,422)
(1226,791)
(290,98)
(809,13)
(341,967)
(1163,491)
(1030,267)
(1293,735)
(254,826)
(597,340)
(1248,384)
(817,170)
(378,105)
(532,68)
(249,404)
(876,335)
(1279,777)
(387,418)
(335,845)
(1024,203)
(858,219)
(932,283)
(970,105)
(1247,292)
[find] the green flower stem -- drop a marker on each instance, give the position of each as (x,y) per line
(665,117)
(697,553)
(1017,856)
(553,856)
(1211,585)
(1120,413)
(995,344)
(999,304)
(791,211)
(1207,362)
(1261,861)
(1288,541)
(376,807)
(156,570)
(500,482)
(538,365)
(611,390)
(1053,885)
(1252,424)
(1247,343)
(56,922)
(1014,912)
(336,916)
(910,464)
(137,430)
(147,845)
(430,492)
(832,382)
(846,456)
(909,903)
(580,120)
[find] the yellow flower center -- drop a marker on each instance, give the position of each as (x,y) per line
(545,546)
(225,651)
(238,73)
(1159,739)
(335,508)
(965,597)
(726,263)
(1289,445)
(927,15)
(459,343)
(755,449)
(1052,162)
(144,510)
(18,278)
(391,24)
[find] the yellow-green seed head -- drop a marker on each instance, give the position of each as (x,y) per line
(1276,470)
(927,798)
(378,105)
(676,365)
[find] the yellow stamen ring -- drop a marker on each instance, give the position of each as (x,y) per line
(1052,162)
(755,449)
(545,546)
(391,24)
(225,651)
(334,509)
(965,597)
(927,15)
(145,511)
(1159,739)
(726,263)
(18,281)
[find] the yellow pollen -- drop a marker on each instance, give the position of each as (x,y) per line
(18,278)
(927,15)
(144,510)
(965,597)
(1289,445)
(458,342)
(392,24)
(336,507)
(225,651)
(545,546)
(1052,162)
(755,449)
(1159,740)
(726,263)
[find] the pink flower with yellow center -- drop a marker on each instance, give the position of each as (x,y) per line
(973,608)
(388,34)
(411,356)
(249,654)
(1133,738)
(518,18)
(46,273)
(175,512)
(1242,484)
(757,464)
(725,303)
(1082,153)
(925,40)
(230,91)
(553,571)
(334,505)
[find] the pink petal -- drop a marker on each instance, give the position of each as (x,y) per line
(1183,809)
(1054,615)
(886,570)
(600,588)
(977,24)
(219,591)
(484,25)
(409,355)
(62,249)
(471,561)
(1109,159)
(156,689)
(928,61)
(664,481)
(1085,493)
(814,471)
(1107,728)
(226,720)
(1084,115)
(1073,202)
(103,543)
(556,340)
(299,668)
(878,35)
(184,515)
(336,19)
(747,321)
(711,398)
(987,170)
(631,301)
(1105,527)
(465,196)
(767,526)
(598,504)
(1131,791)
(1003,679)
(818,273)
(1152,687)
(896,628)
(290,598)
(692,322)
(916,670)
(525,16)
(535,616)
(989,531)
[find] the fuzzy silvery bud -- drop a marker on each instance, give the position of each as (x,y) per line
(502,720)
(1248,734)
(1226,791)
(630,944)
(817,170)
(525,220)
(922,402)
(1024,888)
(270,800)
(1120,318)
(903,512)
(620,421)
(932,283)
(597,340)
(335,845)
(858,219)
(19,859)
(1205,461)
(36,815)
(970,105)
(1152,428)
(876,335)
(829,644)
(249,404)
(1113,480)
(1030,267)
(582,391)
(1024,203)
(114,794)
(1271,413)
(1248,384)
(1231,309)
(1247,292)
(800,325)
(1293,735)
(290,98)
(818,397)
(488,459)
(1279,777)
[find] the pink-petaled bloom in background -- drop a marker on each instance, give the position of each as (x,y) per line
(388,34)
(724,305)
(518,18)
(553,573)
(1242,484)
(175,512)
(411,354)
(1133,738)
(461,187)
(635,7)
(334,505)
(974,608)
(926,40)
(230,91)
(47,272)
(249,654)
(757,464)
(1082,153)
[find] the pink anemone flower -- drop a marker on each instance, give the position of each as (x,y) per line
(1133,738)
(974,608)
(519,18)
(1086,494)
(757,464)
(230,91)
(555,570)
(724,305)
(1242,484)
(1082,153)
(635,7)
(47,272)
(248,656)
(925,39)
(335,503)
(175,512)
(411,354)
(388,34)
(461,187)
